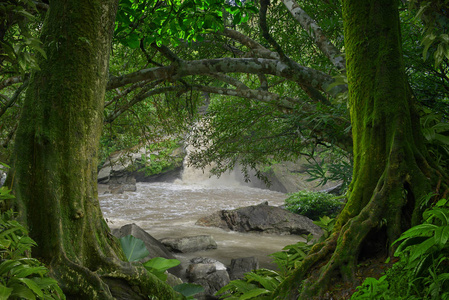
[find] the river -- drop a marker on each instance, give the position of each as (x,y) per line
(171,210)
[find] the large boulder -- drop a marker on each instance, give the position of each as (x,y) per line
(156,248)
(261,218)
(190,243)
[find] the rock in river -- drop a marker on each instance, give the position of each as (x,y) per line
(261,218)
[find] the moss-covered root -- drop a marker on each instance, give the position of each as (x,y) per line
(112,280)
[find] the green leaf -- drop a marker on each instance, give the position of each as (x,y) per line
(161,264)
(4,292)
(188,289)
(7,266)
(252,294)
(32,286)
(421,249)
(21,291)
(133,248)
(441,235)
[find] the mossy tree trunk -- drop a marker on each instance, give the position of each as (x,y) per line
(391,166)
(55,169)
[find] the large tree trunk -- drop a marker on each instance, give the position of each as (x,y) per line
(55,169)
(391,165)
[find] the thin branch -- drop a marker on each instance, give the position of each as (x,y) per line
(316,33)
(14,97)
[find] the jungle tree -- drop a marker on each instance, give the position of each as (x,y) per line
(392,169)
(55,159)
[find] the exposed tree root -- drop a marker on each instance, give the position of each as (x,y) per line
(113,279)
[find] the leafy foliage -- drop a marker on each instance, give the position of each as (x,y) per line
(135,250)
(18,38)
(423,269)
(22,277)
(313,204)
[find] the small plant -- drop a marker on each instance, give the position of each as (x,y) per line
(135,250)
(259,284)
(22,277)
(314,204)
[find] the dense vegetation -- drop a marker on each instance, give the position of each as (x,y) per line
(272,80)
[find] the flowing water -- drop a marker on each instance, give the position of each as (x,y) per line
(171,210)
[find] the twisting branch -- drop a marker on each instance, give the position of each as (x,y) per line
(257,50)
(266,33)
(316,33)
(305,76)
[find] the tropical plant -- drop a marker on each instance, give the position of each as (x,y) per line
(135,250)
(22,277)
(423,269)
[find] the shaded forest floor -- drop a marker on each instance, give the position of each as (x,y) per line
(374,267)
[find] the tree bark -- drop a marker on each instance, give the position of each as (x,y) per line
(55,168)
(392,169)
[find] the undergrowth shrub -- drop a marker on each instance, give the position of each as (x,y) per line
(22,277)
(314,204)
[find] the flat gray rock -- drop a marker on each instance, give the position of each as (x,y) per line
(261,218)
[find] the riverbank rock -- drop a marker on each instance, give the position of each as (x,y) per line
(141,165)
(156,248)
(211,274)
(240,266)
(261,218)
(190,243)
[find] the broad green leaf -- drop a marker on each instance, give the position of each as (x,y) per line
(161,264)
(253,294)
(21,291)
(7,266)
(32,286)
(421,249)
(4,292)
(133,248)
(441,235)
(410,242)
(267,282)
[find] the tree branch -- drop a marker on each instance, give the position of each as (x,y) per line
(294,72)
(316,33)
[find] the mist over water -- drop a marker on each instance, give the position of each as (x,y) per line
(171,210)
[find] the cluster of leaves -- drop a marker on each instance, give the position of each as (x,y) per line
(334,165)
(261,283)
(314,204)
(175,21)
(435,18)
(22,277)
(423,269)
(135,250)
(18,38)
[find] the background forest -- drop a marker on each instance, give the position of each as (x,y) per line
(249,84)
